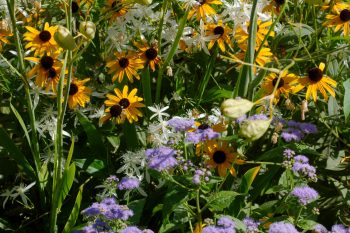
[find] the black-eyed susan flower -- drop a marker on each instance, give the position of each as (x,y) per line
(317,80)
(241,35)
(79,94)
(339,18)
(222,156)
(123,105)
(46,71)
(203,9)
(5,31)
(148,54)
(287,84)
(117,8)
(41,41)
(125,63)
(274,6)
(221,32)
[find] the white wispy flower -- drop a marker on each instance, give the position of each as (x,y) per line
(98,112)
(189,4)
(159,111)
(20,191)
(7,194)
(200,39)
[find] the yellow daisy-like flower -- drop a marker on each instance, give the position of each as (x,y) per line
(5,31)
(339,18)
(41,41)
(203,9)
(274,6)
(78,93)
(47,71)
(287,84)
(315,81)
(148,54)
(123,105)
(242,36)
(264,56)
(222,156)
(125,64)
(117,8)
(221,32)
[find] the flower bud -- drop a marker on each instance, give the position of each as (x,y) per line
(236,108)
(64,38)
(88,29)
(144,2)
(254,129)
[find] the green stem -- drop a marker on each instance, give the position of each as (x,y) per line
(160,29)
(35,142)
(199,213)
(170,55)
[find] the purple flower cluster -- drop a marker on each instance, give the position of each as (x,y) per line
(305,194)
(251,225)
(252,118)
(320,229)
(202,133)
(200,174)
(296,131)
(161,158)
(225,225)
(181,124)
(108,209)
(128,183)
(282,227)
(133,229)
(340,228)
(97,227)
(302,167)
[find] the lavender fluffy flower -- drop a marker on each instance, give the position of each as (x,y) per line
(161,158)
(308,128)
(201,134)
(340,228)
(305,194)
(291,134)
(305,169)
(93,210)
(131,229)
(296,131)
(320,229)
(181,124)
(288,153)
(258,117)
(226,222)
(301,159)
(212,229)
(282,227)
(128,183)
(251,225)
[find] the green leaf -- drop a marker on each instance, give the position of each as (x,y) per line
(66,184)
(221,200)
(15,153)
(94,137)
(90,166)
(137,208)
(333,107)
(146,86)
(248,179)
(21,122)
(76,210)
(346,101)
(70,153)
(172,199)
(130,136)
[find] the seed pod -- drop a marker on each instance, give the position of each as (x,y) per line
(236,108)
(254,129)
(88,29)
(64,38)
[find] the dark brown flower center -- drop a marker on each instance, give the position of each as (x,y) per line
(73,89)
(345,15)
(115,110)
(201,1)
(219,157)
(280,84)
(116,6)
(124,103)
(151,53)
(123,62)
(44,36)
(75,7)
(280,2)
(46,62)
(315,74)
(219,30)
(52,73)
(203,126)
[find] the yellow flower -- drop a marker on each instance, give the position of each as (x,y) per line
(41,41)
(339,18)
(78,93)
(125,64)
(274,6)
(47,71)
(203,9)
(287,84)
(5,31)
(148,54)
(117,8)
(315,81)
(221,32)
(123,105)
(222,156)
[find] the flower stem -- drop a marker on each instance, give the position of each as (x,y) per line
(199,212)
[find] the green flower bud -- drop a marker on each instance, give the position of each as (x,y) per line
(254,129)
(64,38)
(236,108)
(88,29)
